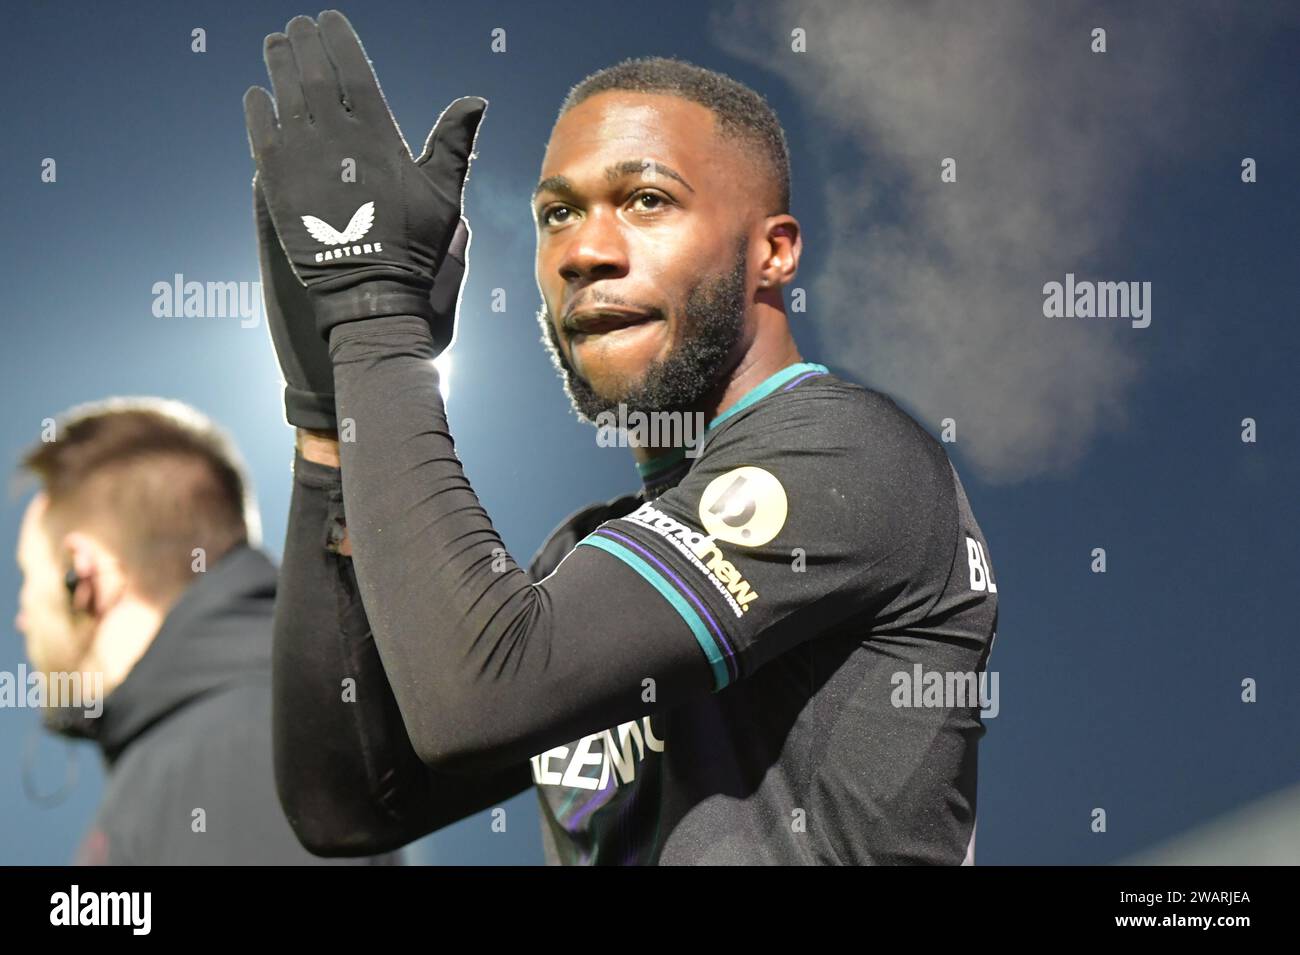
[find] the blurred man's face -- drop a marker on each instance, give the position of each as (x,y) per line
(643,251)
(55,642)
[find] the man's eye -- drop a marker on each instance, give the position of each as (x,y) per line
(650,202)
(657,199)
(547,213)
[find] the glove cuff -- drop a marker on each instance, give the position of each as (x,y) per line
(376,298)
(309,409)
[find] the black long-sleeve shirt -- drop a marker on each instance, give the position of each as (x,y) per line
(714,673)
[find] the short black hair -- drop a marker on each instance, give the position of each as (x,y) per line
(742,113)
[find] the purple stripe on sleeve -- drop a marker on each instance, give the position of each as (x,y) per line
(684,589)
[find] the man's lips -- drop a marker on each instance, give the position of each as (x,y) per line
(598,321)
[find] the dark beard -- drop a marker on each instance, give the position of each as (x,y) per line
(713,323)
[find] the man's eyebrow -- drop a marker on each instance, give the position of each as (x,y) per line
(626,167)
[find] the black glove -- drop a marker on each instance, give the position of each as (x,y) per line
(304,356)
(371,247)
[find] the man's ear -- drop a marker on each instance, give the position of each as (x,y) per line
(94,575)
(79,565)
(784,246)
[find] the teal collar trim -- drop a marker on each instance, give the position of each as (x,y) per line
(648,469)
(766,387)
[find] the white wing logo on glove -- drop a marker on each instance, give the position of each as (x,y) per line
(325,233)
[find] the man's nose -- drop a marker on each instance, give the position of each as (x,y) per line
(596,250)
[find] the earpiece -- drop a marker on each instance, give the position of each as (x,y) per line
(71,580)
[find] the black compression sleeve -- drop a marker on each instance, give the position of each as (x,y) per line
(487,667)
(349,780)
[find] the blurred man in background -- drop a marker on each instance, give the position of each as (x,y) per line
(144,591)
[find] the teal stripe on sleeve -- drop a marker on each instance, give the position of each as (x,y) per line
(702,636)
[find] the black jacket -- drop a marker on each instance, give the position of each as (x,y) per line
(187,736)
